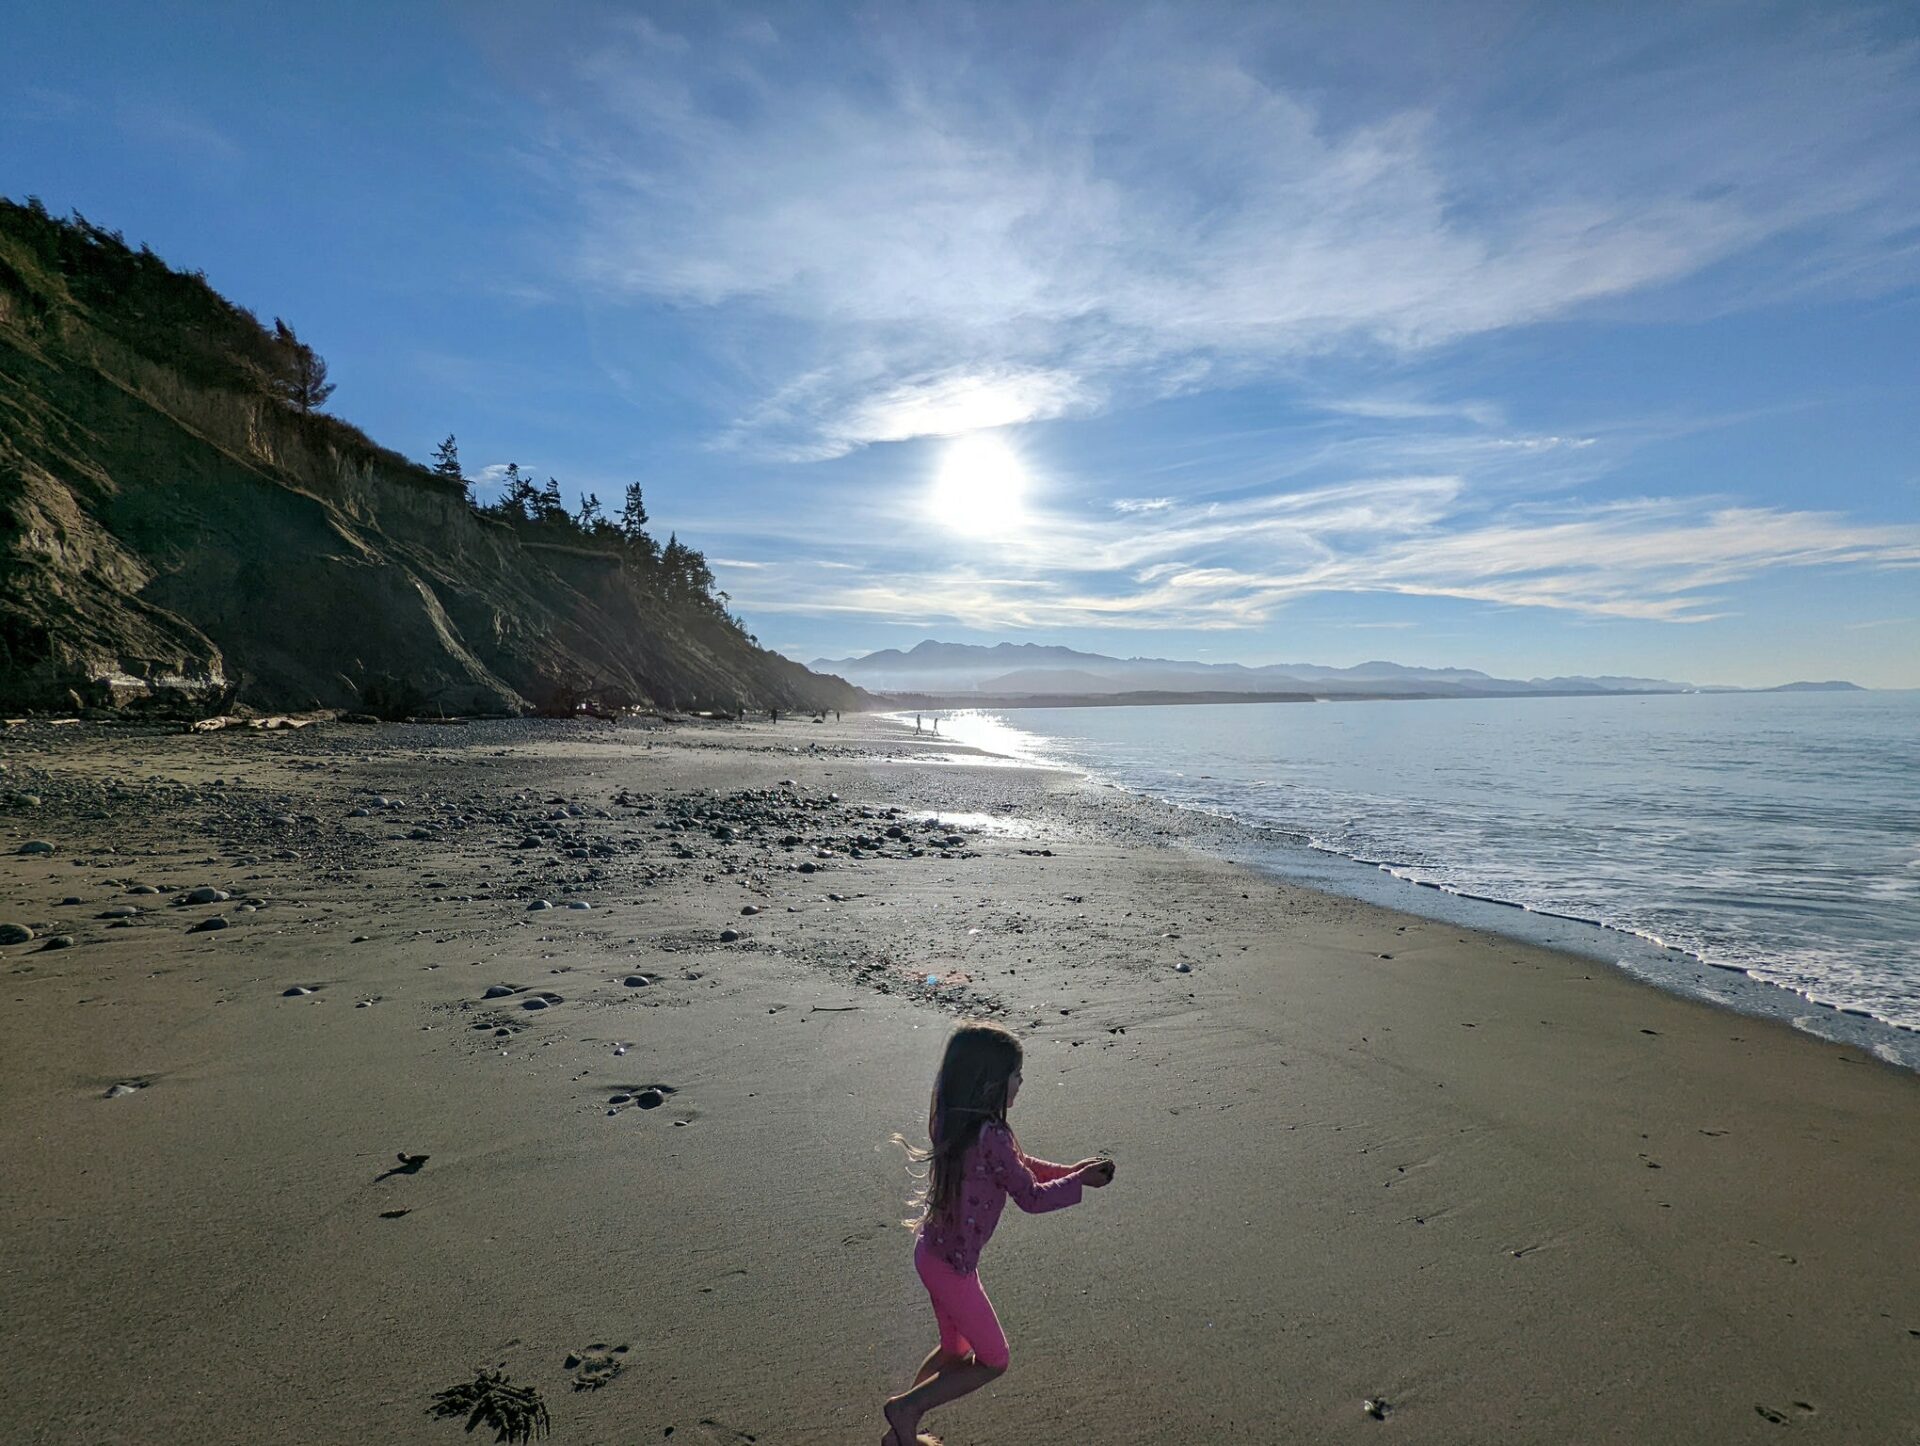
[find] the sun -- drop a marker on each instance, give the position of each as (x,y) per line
(980,488)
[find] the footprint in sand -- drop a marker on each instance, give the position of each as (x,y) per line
(595,1366)
(714,1433)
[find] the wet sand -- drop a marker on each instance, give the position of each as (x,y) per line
(1511,1194)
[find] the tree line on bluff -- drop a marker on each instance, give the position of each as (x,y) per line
(676,573)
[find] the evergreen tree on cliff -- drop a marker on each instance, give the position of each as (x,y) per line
(547,505)
(519,500)
(632,526)
(302,378)
(446,460)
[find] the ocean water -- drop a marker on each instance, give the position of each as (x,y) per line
(1762,850)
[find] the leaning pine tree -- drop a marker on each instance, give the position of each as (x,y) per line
(301,379)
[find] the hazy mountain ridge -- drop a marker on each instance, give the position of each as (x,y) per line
(1019,669)
(175,534)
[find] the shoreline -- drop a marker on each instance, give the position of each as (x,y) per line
(1362,1155)
(1289,855)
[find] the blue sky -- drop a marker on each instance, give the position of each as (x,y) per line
(1534,338)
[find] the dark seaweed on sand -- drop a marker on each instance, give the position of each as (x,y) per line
(515,1412)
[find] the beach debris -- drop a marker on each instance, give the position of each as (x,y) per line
(516,1413)
(123,1088)
(409,1165)
(295,991)
(396,1214)
(35,845)
(15,934)
(1377,1407)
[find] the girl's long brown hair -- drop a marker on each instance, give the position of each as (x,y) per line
(969,1090)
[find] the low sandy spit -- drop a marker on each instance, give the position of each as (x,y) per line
(1505,1194)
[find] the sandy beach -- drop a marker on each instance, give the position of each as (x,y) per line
(1510,1194)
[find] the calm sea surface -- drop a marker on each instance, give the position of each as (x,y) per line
(1774,836)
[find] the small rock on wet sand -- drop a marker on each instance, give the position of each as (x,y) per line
(537,905)
(208,926)
(204,895)
(499,991)
(15,934)
(636,981)
(728,936)
(35,846)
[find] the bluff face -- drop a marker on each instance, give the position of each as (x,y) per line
(174,536)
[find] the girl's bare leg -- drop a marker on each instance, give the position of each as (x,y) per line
(937,1360)
(947,1383)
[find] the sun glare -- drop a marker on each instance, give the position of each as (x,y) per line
(981,487)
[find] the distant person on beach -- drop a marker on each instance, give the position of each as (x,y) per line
(976,1166)
(916,722)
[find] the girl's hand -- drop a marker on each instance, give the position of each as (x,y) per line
(1096,1173)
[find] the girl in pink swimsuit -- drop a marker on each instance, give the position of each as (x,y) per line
(976,1166)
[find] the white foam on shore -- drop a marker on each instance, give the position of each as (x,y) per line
(1007,827)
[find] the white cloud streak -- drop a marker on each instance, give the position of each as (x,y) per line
(1238,566)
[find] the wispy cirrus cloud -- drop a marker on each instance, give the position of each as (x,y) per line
(1211,567)
(926,227)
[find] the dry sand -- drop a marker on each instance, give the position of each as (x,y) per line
(1515,1195)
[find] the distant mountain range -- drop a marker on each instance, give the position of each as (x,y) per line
(1015,670)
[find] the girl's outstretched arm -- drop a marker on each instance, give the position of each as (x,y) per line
(1008,1168)
(1044,1170)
